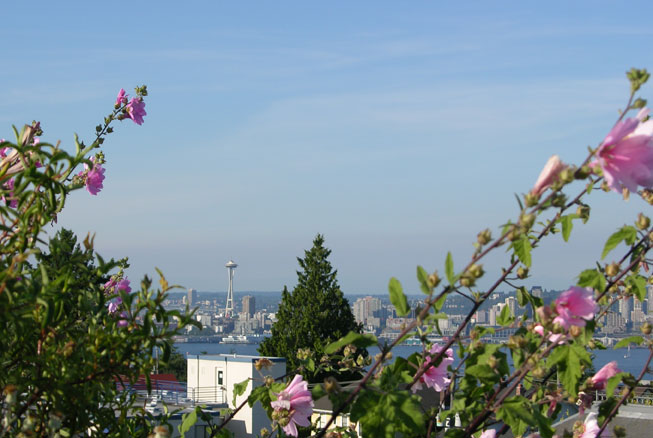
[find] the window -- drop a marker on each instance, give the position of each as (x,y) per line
(220,378)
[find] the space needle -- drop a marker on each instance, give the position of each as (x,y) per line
(229,310)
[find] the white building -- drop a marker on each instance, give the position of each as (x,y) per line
(211,379)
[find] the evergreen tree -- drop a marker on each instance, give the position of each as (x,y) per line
(314,314)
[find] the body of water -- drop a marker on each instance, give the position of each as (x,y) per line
(632,364)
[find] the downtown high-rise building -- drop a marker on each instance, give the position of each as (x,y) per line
(192,298)
(249,305)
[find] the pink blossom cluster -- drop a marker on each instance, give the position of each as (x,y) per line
(294,406)
(626,154)
(435,377)
(548,175)
(112,287)
(573,307)
(135,107)
(93,177)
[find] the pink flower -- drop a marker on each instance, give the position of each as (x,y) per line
(548,175)
(435,377)
(123,285)
(136,110)
(626,154)
(122,97)
(490,433)
(574,306)
(590,428)
(554,338)
(294,406)
(114,305)
(94,178)
(601,377)
(122,322)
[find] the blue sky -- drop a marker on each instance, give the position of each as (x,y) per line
(397,129)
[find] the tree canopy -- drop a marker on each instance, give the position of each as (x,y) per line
(314,314)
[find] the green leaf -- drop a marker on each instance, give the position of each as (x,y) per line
(357,339)
(592,278)
(522,247)
(630,340)
(188,420)
(567,225)
(523,297)
(505,318)
(318,392)
(423,279)
(259,393)
(516,413)
(626,233)
(448,269)
(239,389)
(638,284)
(613,382)
(568,358)
(482,372)
(397,297)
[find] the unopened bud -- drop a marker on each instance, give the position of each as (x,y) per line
(484,237)
(263,362)
(264,433)
(331,385)
(539,372)
(643,222)
(583,172)
(559,200)
(619,431)
(531,199)
(10,392)
(566,175)
(349,350)
(647,194)
(68,348)
(522,272)
(434,280)
(492,362)
(575,331)
(583,211)
(161,432)
(476,270)
(269,380)
(612,269)
(646,328)
(467,281)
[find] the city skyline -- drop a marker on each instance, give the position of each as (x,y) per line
(399,131)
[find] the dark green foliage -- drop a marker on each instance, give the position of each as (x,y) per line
(315,314)
(176,365)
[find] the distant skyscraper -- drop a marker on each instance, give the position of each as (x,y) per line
(536,291)
(249,305)
(192,298)
(625,307)
(229,308)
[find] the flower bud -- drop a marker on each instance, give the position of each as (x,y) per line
(161,432)
(575,331)
(583,172)
(331,385)
(263,362)
(647,195)
(619,431)
(646,328)
(268,381)
(527,220)
(434,280)
(484,237)
(566,175)
(476,271)
(643,222)
(467,281)
(264,433)
(349,350)
(539,372)
(583,211)
(10,392)
(612,269)
(492,362)
(522,272)
(531,199)
(559,200)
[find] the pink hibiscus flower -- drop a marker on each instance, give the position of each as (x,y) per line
(490,433)
(601,377)
(549,173)
(626,154)
(122,97)
(554,338)
(294,406)
(94,179)
(590,428)
(435,377)
(574,306)
(136,110)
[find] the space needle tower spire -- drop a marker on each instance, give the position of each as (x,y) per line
(229,309)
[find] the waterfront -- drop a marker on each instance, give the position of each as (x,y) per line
(632,364)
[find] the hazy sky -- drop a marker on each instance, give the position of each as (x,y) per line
(397,129)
